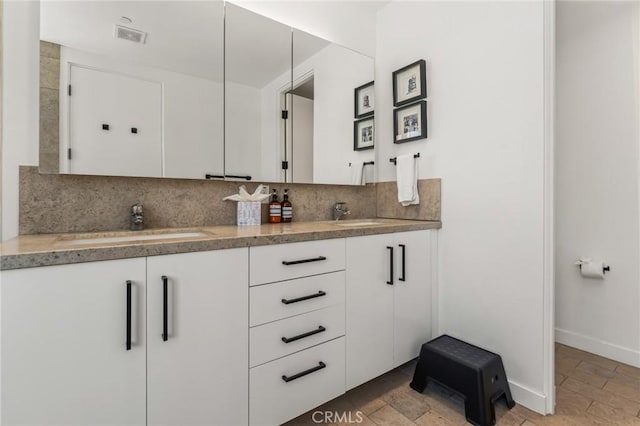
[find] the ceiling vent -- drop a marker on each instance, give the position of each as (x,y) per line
(130,34)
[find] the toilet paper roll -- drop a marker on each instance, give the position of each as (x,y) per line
(592,269)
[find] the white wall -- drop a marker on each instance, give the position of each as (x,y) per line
(191,110)
(20,55)
(243,151)
(486,141)
(337,72)
(597,177)
(303,135)
(349,23)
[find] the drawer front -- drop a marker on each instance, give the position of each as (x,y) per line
(280,338)
(272,401)
(288,298)
(281,262)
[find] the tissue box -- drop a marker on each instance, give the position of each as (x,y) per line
(249,213)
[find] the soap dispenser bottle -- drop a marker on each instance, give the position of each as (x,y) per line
(287,208)
(275,208)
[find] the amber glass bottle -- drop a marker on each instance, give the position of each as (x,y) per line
(275,208)
(287,208)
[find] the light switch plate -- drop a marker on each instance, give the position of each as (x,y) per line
(265,190)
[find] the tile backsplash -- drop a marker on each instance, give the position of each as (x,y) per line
(52,203)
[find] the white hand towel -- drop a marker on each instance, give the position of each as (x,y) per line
(357,175)
(407,179)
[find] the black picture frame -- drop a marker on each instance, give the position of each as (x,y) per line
(356,104)
(422,120)
(357,145)
(421,66)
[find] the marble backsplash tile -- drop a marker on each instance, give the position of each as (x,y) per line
(49,153)
(53,203)
(387,205)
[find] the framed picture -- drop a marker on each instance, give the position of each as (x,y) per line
(410,83)
(363,137)
(410,122)
(364,100)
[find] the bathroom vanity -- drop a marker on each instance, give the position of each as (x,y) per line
(220,326)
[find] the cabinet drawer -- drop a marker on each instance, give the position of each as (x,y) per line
(273,401)
(288,298)
(267,342)
(281,262)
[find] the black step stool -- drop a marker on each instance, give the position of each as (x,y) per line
(475,373)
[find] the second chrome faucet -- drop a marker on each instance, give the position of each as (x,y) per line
(136,222)
(340,210)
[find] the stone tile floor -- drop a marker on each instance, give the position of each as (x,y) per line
(590,390)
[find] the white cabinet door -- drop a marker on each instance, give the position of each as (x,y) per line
(199,374)
(64,355)
(412,294)
(369,306)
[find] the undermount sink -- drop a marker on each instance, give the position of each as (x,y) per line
(124,237)
(357,223)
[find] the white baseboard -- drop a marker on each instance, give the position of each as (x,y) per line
(529,398)
(598,347)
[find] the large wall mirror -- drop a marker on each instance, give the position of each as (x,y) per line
(198,89)
(132,88)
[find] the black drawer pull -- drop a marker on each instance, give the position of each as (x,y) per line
(128,344)
(300,299)
(390,282)
(320,366)
(404,270)
(165,308)
(297,262)
(303,335)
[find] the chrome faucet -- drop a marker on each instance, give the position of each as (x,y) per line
(339,210)
(137,218)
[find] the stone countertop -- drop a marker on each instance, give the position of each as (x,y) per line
(28,251)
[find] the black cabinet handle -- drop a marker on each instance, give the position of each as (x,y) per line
(208,176)
(105,126)
(320,366)
(238,177)
(390,282)
(134,130)
(297,262)
(300,299)
(404,270)
(128,315)
(303,335)
(165,308)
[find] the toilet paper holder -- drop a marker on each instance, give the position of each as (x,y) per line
(605,268)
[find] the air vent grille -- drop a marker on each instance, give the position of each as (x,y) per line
(130,34)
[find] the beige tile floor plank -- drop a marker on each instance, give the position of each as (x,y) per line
(408,402)
(614,415)
(625,391)
(628,370)
(560,378)
(509,418)
(389,416)
(571,403)
(566,351)
(587,377)
(566,365)
(607,374)
(361,420)
(434,418)
(602,396)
